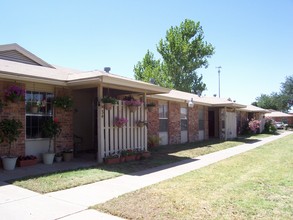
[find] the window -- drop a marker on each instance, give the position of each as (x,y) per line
(39,108)
(163,117)
(183,117)
(201,119)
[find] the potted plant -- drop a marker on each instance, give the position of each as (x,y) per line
(151,106)
(153,140)
(58,157)
(120,122)
(141,123)
(67,155)
(145,154)
(33,106)
(131,103)
(112,158)
(51,129)
(130,155)
(109,102)
(64,102)
(24,161)
(9,132)
(14,93)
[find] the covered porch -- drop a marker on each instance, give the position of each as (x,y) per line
(94,127)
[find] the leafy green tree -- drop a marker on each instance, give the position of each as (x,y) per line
(149,68)
(276,101)
(287,90)
(183,51)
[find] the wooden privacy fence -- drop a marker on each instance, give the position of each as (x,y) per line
(130,136)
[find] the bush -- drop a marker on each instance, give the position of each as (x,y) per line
(270,127)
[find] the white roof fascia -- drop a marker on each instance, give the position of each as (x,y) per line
(20,77)
(165,97)
(131,83)
(25,53)
(251,108)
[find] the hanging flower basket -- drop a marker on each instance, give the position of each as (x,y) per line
(64,102)
(120,122)
(132,103)
(151,106)
(141,123)
(132,108)
(108,106)
(14,94)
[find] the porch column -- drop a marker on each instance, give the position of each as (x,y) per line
(100,128)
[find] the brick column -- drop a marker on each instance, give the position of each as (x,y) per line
(65,139)
(174,123)
(192,124)
(16,111)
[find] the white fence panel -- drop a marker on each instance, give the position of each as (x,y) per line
(129,136)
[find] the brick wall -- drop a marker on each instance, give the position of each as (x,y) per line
(174,123)
(153,119)
(192,124)
(16,111)
(206,122)
(65,139)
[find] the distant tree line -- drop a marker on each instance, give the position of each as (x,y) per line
(280,101)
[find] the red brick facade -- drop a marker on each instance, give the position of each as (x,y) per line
(174,123)
(17,111)
(153,119)
(192,124)
(65,139)
(10,111)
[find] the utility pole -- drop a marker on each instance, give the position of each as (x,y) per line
(219,71)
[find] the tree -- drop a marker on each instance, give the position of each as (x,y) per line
(149,68)
(287,90)
(183,52)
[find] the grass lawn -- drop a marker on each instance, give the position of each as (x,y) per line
(160,156)
(254,185)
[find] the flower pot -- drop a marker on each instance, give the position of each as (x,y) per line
(137,156)
(146,154)
(58,159)
(130,157)
(122,159)
(34,109)
(112,160)
(108,106)
(132,108)
(26,163)
(67,156)
(48,158)
(9,163)
(140,124)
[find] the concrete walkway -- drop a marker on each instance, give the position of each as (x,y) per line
(19,203)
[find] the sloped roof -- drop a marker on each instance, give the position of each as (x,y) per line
(24,52)
(175,95)
(252,108)
(55,75)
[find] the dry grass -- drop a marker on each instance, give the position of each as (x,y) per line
(254,185)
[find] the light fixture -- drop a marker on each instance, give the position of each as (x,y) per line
(190,103)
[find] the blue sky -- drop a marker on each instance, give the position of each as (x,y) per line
(253,39)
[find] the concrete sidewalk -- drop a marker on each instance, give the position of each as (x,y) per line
(16,203)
